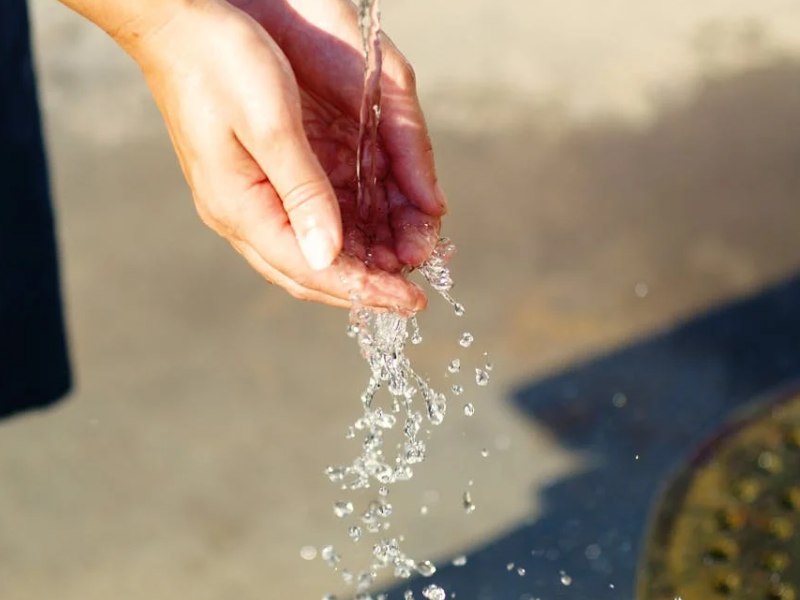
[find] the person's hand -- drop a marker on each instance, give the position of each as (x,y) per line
(271,163)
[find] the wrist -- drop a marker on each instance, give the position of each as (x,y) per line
(143,22)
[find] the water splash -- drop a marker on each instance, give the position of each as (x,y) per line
(382,338)
(434,592)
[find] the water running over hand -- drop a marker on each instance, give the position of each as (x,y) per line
(382,339)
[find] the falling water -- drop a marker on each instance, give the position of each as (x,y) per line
(370,24)
(382,338)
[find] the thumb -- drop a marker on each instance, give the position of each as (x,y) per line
(306,194)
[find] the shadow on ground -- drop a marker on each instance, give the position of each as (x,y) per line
(636,412)
(679,387)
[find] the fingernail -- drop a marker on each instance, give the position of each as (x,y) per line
(440,198)
(318,248)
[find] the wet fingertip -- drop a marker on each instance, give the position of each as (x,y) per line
(385,259)
(421,299)
(414,250)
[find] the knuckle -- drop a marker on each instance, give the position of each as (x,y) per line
(408,76)
(303,196)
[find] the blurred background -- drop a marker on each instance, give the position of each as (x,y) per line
(624,181)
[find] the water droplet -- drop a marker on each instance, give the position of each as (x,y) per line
(423,510)
(469,409)
(352,330)
(641,290)
(469,507)
(385,420)
(521,572)
(426,568)
(460,561)
(308,552)
(416,337)
(329,597)
(454,366)
(335,474)
(330,556)
(355,533)
(347,577)
(484,453)
(619,400)
(383,491)
(365,580)
(481,377)
(343,509)
(457,390)
(565,579)
(466,339)
(510,567)
(459,309)
(351,433)
(434,592)
(409,595)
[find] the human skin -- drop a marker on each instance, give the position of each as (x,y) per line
(261,99)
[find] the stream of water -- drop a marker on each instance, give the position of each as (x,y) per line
(410,401)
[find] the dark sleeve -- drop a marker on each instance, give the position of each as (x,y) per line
(34,367)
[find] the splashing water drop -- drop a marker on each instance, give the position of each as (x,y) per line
(329,597)
(469,409)
(308,553)
(416,336)
(330,556)
(457,390)
(484,453)
(481,377)
(335,474)
(364,581)
(565,579)
(510,566)
(426,568)
(469,506)
(409,595)
(460,561)
(521,572)
(423,510)
(382,340)
(343,509)
(434,592)
(355,533)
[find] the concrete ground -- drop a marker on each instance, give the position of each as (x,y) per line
(614,169)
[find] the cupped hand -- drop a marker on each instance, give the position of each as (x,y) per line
(262,105)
